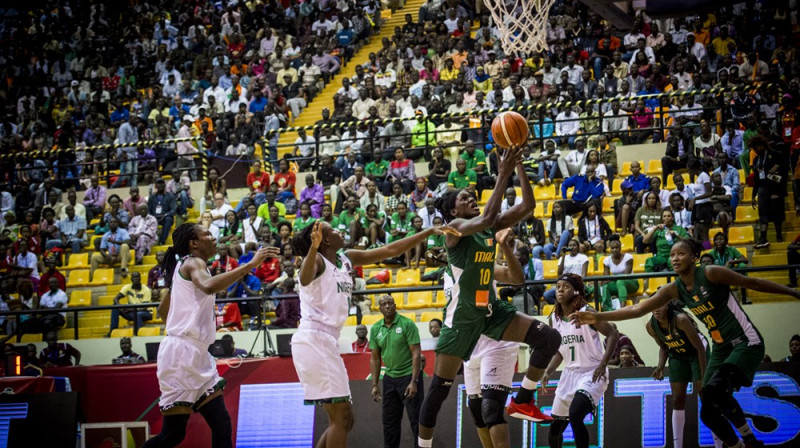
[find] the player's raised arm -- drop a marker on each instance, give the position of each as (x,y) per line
(657,300)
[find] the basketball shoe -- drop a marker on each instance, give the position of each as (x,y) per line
(527,411)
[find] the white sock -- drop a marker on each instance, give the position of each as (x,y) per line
(615,304)
(529,384)
(717,442)
(745,430)
(678,422)
(422,443)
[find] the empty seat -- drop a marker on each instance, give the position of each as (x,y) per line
(427,316)
(626,168)
(80,297)
(746,215)
(550,268)
(122,333)
(485,194)
(544,193)
(31,337)
(412,316)
(654,283)
(654,167)
(78,277)
(114,289)
(419,299)
(543,210)
(105,300)
(547,309)
(349,322)
(639,261)
(371,319)
(152,331)
(627,243)
(78,261)
(608,205)
(407,277)
(104,276)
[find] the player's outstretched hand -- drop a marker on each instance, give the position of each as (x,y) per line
(579,318)
(508,160)
(543,383)
(316,235)
(504,236)
(446,230)
(266,252)
(599,372)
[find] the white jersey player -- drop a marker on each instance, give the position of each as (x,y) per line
(585,376)
(325,293)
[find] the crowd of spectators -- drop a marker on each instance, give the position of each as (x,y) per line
(227,74)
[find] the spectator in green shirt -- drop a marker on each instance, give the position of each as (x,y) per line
(377,169)
(665,235)
(394,341)
(274,220)
(349,221)
(305,219)
(401,222)
(462,177)
(476,161)
(725,255)
(423,136)
(373,224)
(263,209)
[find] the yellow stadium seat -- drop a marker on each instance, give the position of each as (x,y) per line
(142,269)
(627,243)
(441,300)
(122,333)
(80,297)
(608,204)
(610,221)
(371,319)
(412,316)
(105,300)
(543,210)
(151,331)
(626,168)
(741,235)
(114,289)
(550,268)
(596,267)
(30,338)
(544,193)
(350,321)
(78,277)
(419,299)
(639,261)
(746,214)
(769,259)
(78,261)
(149,259)
(427,316)
(616,187)
(742,177)
(747,197)
(103,277)
(654,168)
(654,283)
(547,309)
(485,194)
(407,277)
(66,333)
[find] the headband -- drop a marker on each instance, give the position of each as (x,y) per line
(577,285)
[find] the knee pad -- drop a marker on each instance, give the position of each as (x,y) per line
(474,404)
(544,342)
(493,406)
(581,406)
(437,393)
(721,386)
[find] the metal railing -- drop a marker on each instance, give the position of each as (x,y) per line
(593,279)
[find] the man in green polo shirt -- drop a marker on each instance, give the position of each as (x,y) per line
(462,177)
(395,341)
(476,161)
(377,169)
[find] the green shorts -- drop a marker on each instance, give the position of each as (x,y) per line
(684,370)
(469,323)
(746,358)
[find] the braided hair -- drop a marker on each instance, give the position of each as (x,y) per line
(695,246)
(447,203)
(181,238)
(580,289)
(301,241)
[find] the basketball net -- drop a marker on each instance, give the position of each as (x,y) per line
(522,24)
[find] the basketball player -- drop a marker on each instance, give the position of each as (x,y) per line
(490,368)
(737,348)
(325,287)
(585,376)
(472,307)
(187,373)
(686,348)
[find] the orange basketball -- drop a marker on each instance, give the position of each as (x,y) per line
(510,129)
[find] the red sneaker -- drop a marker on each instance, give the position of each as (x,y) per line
(527,411)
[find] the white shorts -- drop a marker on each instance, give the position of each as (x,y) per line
(490,364)
(571,382)
(320,368)
(187,373)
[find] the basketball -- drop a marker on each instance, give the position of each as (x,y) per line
(510,129)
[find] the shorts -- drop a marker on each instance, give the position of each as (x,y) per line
(746,358)
(492,364)
(577,381)
(684,370)
(319,366)
(187,373)
(464,325)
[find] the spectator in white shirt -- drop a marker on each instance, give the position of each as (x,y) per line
(510,200)
(219,210)
(575,159)
(573,70)
(53,299)
(27,260)
(643,48)
(361,106)
(304,147)
(567,126)
(615,122)
(347,90)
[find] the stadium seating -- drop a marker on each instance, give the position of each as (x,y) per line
(80,297)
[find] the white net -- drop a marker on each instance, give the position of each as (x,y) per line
(522,24)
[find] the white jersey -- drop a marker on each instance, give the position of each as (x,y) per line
(326,299)
(581,347)
(191,312)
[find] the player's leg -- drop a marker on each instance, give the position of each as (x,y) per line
(445,370)
(580,407)
(493,406)
(340,422)
(678,412)
(216,416)
(472,380)
(720,409)
(560,412)
(173,429)
(544,343)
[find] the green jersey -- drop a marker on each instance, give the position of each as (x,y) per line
(678,344)
(477,158)
(395,343)
(716,307)
(469,278)
(345,218)
(435,241)
(300,223)
(664,243)
(377,170)
(274,227)
(458,180)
